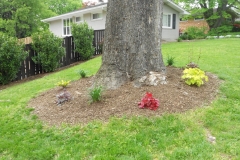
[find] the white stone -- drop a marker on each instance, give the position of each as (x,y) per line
(78,93)
(153,79)
(141,80)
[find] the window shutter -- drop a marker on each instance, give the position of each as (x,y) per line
(174,21)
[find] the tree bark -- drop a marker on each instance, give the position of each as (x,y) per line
(132,42)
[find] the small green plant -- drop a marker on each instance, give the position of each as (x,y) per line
(96,93)
(63,83)
(179,39)
(82,73)
(194,76)
(170,60)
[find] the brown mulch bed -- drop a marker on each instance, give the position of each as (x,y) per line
(174,97)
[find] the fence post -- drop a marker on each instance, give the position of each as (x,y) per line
(68,50)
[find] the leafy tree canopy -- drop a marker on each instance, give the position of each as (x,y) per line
(21,18)
(63,6)
(216,12)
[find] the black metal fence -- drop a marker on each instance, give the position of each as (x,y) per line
(29,68)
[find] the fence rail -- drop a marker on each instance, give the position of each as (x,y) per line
(29,68)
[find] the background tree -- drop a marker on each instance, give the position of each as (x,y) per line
(214,11)
(132,41)
(21,18)
(63,6)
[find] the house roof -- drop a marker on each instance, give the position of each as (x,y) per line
(176,7)
(103,6)
(90,9)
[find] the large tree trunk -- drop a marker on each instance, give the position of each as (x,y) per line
(132,41)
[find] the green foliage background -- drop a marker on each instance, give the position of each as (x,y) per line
(215,12)
(63,6)
(83,37)
(49,49)
(21,18)
(11,55)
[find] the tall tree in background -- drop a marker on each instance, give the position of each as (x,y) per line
(21,18)
(132,41)
(63,6)
(214,11)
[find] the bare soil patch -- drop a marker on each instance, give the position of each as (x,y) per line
(174,97)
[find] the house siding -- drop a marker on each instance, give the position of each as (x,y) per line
(169,34)
(95,24)
(55,29)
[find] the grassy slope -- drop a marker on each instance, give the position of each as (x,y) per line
(180,136)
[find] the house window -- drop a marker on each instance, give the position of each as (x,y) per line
(67,26)
(167,20)
(96,16)
(78,19)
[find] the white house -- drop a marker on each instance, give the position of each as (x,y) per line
(95,16)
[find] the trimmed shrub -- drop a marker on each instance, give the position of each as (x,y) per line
(49,50)
(11,55)
(184,36)
(222,30)
(196,32)
(83,37)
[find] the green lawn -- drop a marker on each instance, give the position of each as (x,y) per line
(175,136)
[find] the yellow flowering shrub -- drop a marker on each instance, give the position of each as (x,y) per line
(63,83)
(194,76)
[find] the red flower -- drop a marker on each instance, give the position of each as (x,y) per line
(149,102)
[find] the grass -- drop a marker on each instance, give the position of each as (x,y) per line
(172,136)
